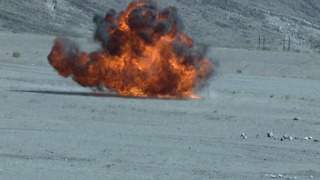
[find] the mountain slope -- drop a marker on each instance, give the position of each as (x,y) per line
(231,23)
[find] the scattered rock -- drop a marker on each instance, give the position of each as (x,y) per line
(244,136)
(311,177)
(286,136)
(273,176)
(296,119)
(270,134)
(308,138)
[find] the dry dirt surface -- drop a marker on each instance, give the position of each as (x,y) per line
(51,128)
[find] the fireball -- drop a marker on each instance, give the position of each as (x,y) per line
(144,54)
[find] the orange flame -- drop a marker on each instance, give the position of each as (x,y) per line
(144,54)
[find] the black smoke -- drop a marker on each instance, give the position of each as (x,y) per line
(147,21)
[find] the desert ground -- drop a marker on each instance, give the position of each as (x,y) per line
(52,128)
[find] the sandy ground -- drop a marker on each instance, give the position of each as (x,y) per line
(79,135)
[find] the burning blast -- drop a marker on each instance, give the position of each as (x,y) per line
(144,53)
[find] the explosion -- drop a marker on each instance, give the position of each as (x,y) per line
(144,54)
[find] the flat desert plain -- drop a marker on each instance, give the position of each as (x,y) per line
(259,118)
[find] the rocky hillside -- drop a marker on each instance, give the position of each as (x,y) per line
(230,23)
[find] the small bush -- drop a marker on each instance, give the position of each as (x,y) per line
(239,71)
(315,43)
(16,54)
(287,97)
(267,49)
(297,50)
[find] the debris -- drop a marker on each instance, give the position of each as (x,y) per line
(310,137)
(306,138)
(286,136)
(295,178)
(270,134)
(280,175)
(296,119)
(316,140)
(244,136)
(273,176)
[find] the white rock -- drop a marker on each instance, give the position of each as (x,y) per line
(273,176)
(244,136)
(270,134)
(290,138)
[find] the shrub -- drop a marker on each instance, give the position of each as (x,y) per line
(287,97)
(297,50)
(239,71)
(16,54)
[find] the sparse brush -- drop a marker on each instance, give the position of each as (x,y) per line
(297,51)
(16,54)
(287,97)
